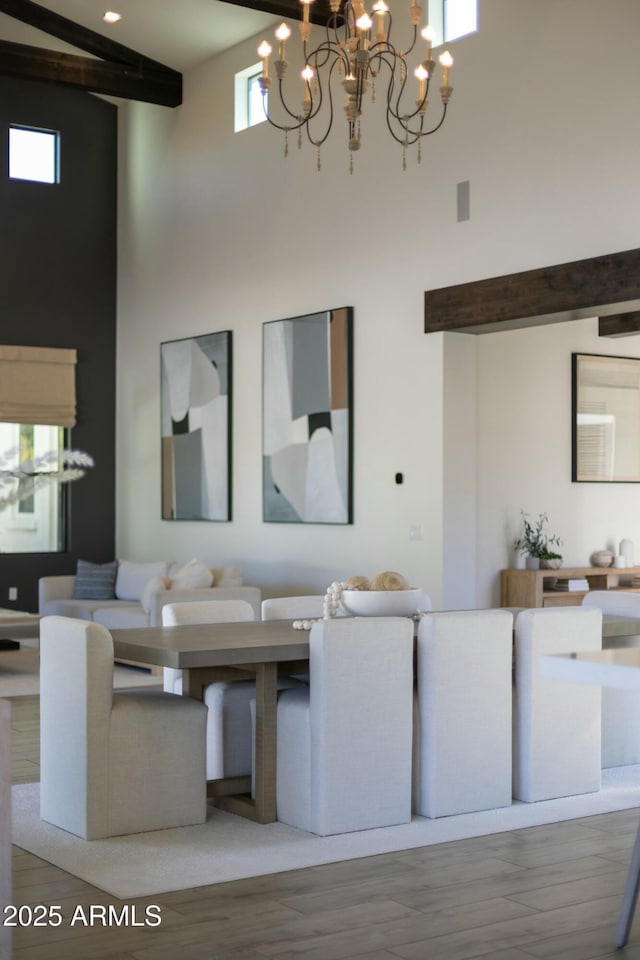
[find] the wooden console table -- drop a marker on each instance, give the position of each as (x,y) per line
(534,588)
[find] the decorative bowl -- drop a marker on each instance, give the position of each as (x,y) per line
(602,558)
(553,564)
(382,603)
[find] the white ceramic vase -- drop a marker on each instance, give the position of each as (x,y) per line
(626,550)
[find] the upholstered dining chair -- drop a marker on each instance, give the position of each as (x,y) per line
(293,608)
(229,728)
(112,763)
(556,732)
(462,732)
(344,742)
(620,708)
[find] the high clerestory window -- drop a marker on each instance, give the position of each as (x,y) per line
(33,154)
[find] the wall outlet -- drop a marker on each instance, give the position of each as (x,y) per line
(13,593)
(416,532)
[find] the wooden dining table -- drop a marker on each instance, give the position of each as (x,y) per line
(260,650)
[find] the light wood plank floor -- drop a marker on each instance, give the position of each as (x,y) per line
(546,892)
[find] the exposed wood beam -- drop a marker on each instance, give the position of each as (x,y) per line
(289,9)
(619,324)
(597,286)
(119,71)
(97,76)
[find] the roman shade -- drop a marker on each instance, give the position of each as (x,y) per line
(38,385)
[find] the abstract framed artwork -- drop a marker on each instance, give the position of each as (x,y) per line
(308,418)
(195,389)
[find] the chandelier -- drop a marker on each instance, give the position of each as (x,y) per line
(352,55)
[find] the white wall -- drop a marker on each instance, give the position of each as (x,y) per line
(524,449)
(218,231)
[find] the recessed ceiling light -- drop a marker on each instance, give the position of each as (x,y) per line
(112,17)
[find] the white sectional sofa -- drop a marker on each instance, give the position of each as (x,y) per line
(141,591)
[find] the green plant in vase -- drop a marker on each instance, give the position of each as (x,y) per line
(537,544)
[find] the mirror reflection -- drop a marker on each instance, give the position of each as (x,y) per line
(606,418)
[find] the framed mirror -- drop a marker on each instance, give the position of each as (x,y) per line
(605,419)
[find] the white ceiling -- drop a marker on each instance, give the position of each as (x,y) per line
(177,33)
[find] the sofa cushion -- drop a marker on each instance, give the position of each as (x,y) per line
(81,609)
(193,575)
(95,581)
(132,577)
(123,616)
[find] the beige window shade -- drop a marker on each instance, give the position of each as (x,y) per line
(38,385)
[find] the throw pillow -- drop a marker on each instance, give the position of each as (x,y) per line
(153,586)
(228,577)
(95,581)
(193,574)
(132,577)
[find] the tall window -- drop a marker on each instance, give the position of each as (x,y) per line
(33,155)
(35,523)
(248,98)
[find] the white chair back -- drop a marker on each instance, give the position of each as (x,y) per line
(200,611)
(462,754)
(292,608)
(620,708)
(344,744)
(557,725)
(206,611)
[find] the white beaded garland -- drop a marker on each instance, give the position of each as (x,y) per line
(332,599)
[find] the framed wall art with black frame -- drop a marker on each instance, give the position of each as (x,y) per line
(605,411)
(195,388)
(308,418)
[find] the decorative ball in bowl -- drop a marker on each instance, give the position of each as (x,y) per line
(382,603)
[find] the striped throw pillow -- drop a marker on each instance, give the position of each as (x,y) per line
(95,581)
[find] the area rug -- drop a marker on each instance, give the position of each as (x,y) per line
(20,674)
(228,847)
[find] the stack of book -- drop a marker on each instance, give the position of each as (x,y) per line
(570,583)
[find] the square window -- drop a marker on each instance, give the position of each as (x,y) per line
(33,155)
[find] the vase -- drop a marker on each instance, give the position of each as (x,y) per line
(626,550)
(532,563)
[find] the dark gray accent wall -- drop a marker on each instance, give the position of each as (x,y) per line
(58,289)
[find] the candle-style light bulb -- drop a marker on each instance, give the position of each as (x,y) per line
(446,61)
(282,34)
(364,24)
(428,34)
(422,76)
(380,8)
(264,52)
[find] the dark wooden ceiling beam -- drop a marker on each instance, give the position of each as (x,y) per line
(97,76)
(288,9)
(596,286)
(119,71)
(619,324)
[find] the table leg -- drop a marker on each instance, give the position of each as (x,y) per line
(630,896)
(265,746)
(262,808)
